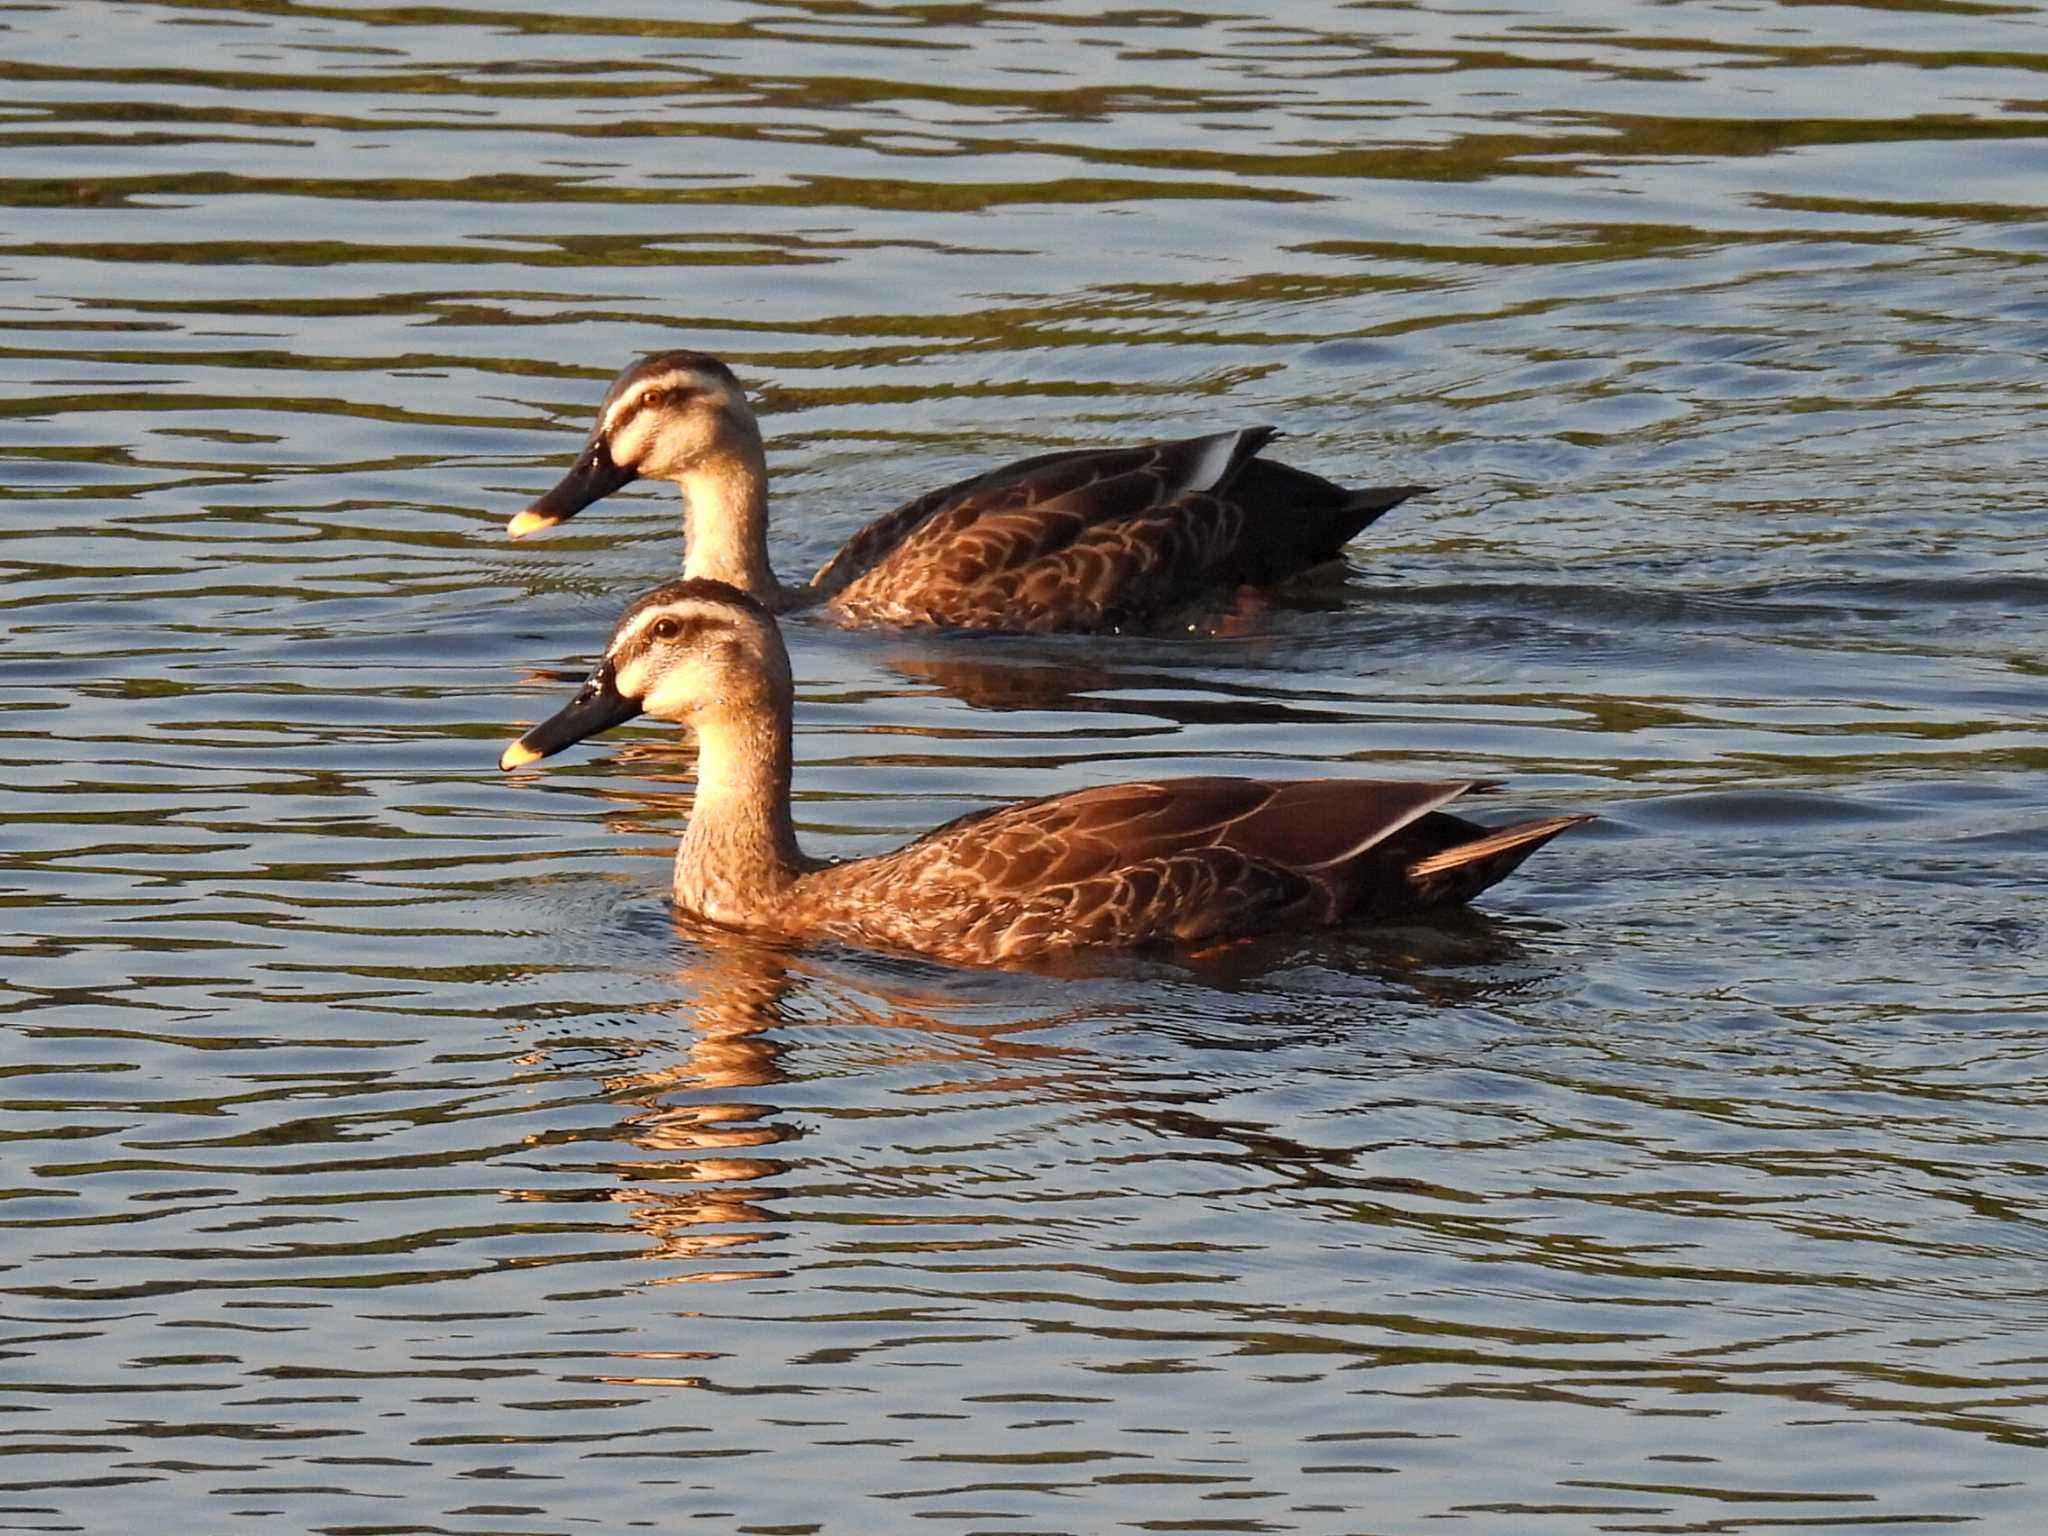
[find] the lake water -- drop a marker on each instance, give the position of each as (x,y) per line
(381,1155)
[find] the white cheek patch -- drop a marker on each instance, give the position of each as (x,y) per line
(629,445)
(631,680)
(673,697)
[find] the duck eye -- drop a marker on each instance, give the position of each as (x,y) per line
(666,629)
(656,397)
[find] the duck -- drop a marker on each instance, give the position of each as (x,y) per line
(1155,863)
(1084,540)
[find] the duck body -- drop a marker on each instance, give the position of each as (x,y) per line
(1165,862)
(1096,539)
(1077,540)
(1159,864)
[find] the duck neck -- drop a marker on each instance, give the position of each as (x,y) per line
(725,519)
(739,855)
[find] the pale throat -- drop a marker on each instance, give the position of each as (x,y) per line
(739,853)
(725,523)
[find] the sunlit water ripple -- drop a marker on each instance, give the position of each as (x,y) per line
(381,1155)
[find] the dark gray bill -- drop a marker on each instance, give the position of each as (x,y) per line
(590,478)
(598,706)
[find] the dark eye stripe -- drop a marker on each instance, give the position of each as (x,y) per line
(666,398)
(686,630)
(695,625)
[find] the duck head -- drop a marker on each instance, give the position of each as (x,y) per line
(664,418)
(691,651)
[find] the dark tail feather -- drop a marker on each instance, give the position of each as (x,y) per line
(1370,505)
(1328,529)
(1463,870)
(1298,520)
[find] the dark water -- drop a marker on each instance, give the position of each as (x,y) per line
(380,1156)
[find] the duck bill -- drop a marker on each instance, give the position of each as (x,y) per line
(598,706)
(592,477)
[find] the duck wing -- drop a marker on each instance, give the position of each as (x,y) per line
(1178,860)
(1098,539)
(1111,574)
(1071,488)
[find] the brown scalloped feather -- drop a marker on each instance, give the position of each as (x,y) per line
(1172,861)
(1098,538)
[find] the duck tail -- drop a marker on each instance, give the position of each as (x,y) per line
(1463,870)
(1329,528)
(1297,520)
(1368,506)
(1358,511)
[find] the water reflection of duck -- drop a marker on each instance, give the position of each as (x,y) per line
(714,1144)
(705,1146)
(1083,686)
(1168,861)
(1087,539)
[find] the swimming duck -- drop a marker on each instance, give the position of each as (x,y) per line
(1165,861)
(1089,539)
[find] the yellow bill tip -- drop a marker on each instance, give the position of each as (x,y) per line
(518,755)
(529,521)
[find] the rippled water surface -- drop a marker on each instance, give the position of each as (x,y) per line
(381,1155)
